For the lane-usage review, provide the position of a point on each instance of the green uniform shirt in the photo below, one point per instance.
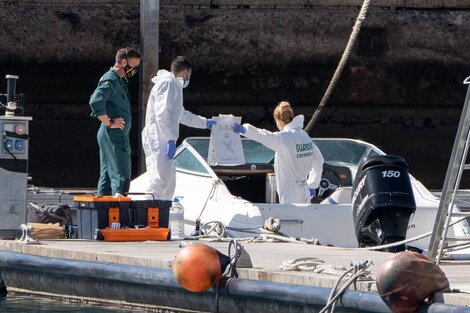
(111, 97)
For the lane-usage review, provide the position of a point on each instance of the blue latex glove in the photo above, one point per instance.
(170, 149)
(313, 193)
(209, 123)
(239, 128)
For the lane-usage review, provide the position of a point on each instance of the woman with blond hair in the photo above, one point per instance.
(298, 163)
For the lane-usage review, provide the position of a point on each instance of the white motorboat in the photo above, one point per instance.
(243, 197)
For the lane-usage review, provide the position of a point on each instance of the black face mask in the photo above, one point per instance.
(130, 71)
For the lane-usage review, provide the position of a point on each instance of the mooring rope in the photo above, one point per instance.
(316, 265)
(312, 264)
(405, 241)
(358, 268)
(344, 58)
(268, 232)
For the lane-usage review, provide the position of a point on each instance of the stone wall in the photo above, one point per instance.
(258, 55)
(401, 89)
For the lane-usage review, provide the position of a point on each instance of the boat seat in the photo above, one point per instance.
(342, 195)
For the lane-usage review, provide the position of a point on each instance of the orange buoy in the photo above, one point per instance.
(197, 267)
(406, 279)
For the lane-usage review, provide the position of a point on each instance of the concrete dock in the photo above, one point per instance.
(266, 258)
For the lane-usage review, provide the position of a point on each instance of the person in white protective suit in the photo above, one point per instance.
(164, 114)
(298, 163)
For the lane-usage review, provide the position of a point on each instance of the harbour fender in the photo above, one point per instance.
(198, 267)
(407, 279)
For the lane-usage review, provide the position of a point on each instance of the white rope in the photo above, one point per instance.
(359, 269)
(416, 238)
(212, 228)
(398, 243)
(272, 224)
(225, 239)
(272, 237)
(218, 231)
(314, 265)
(344, 58)
(301, 264)
(269, 232)
(211, 194)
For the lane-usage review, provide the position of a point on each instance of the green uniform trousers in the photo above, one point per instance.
(115, 160)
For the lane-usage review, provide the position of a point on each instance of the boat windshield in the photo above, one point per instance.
(254, 152)
(334, 150)
(345, 151)
(342, 157)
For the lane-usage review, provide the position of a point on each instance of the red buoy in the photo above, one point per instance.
(198, 267)
(408, 278)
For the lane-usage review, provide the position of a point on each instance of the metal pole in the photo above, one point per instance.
(149, 19)
(452, 179)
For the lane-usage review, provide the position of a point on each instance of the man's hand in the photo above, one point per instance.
(118, 122)
(209, 123)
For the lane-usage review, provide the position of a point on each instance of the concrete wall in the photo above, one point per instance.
(401, 89)
(263, 53)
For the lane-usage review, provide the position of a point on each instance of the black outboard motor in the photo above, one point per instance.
(382, 199)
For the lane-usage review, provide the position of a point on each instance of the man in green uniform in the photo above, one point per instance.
(111, 104)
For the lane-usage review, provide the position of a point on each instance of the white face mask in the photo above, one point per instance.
(184, 83)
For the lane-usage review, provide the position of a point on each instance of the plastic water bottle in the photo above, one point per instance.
(177, 219)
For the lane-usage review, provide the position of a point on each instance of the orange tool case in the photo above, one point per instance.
(136, 234)
(98, 212)
(151, 232)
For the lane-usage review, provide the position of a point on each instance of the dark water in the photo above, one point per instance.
(16, 303)
(28, 304)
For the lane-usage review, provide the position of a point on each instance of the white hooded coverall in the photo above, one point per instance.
(298, 163)
(165, 112)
